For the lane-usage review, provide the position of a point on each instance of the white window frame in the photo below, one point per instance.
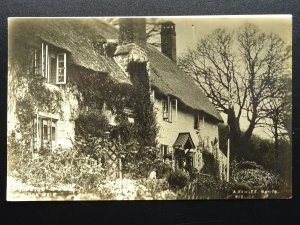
(46, 64)
(64, 68)
(168, 105)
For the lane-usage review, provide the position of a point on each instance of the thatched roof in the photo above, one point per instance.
(79, 36)
(170, 79)
(75, 35)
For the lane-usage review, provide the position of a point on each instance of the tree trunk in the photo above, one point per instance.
(276, 136)
(234, 134)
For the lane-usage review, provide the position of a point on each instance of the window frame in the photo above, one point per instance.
(199, 122)
(169, 106)
(46, 64)
(64, 68)
(43, 131)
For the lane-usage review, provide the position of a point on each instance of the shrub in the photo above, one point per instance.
(206, 187)
(163, 170)
(193, 173)
(139, 161)
(58, 168)
(252, 175)
(248, 165)
(178, 179)
(258, 178)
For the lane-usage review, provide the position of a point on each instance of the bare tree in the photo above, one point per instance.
(153, 31)
(238, 71)
(278, 113)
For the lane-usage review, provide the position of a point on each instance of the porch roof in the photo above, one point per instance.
(184, 140)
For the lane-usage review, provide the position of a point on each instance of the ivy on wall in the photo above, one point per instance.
(34, 96)
(100, 93)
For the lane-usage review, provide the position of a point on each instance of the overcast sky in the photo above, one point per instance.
(205, 25)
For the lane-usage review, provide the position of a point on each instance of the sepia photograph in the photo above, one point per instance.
(149, 108)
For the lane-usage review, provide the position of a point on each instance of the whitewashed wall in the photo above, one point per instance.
(168, 132)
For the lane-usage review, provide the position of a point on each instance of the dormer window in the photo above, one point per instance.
(169, 106)
(51, 63)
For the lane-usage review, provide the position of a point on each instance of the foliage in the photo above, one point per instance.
(91, 122)
(254, 176)
(101, 94)
(206, 187)
(178, 179)
(146, 125)
(209, 163)
(34, 95)
(246, 165)
(264, 153)
(193, 173)
(163, 170)
(139, 161)
(58, 168)
(211, 157)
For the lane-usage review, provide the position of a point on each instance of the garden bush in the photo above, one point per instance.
(254, 176)
(139, 161)
(206, 187)
(178, 179)
(193, 173)
(58, 168)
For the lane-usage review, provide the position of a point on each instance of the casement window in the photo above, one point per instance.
(199, 121)
(169, 109)
(44, 132)
(51, 64)
(36, 62)
(61, 68)
(166, 152)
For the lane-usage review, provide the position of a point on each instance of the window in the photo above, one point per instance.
(199, 121)
(44, 132)
(166, 152)
(36, 62)
(61, 69)
(51, 64)
(169, 109)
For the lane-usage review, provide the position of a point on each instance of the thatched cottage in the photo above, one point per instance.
(59, 50)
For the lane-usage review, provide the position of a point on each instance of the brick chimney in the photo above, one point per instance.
(132, 30)
(168, 40)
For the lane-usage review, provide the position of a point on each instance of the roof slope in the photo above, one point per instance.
(76, 35)
(170, 79)
(79, 36)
